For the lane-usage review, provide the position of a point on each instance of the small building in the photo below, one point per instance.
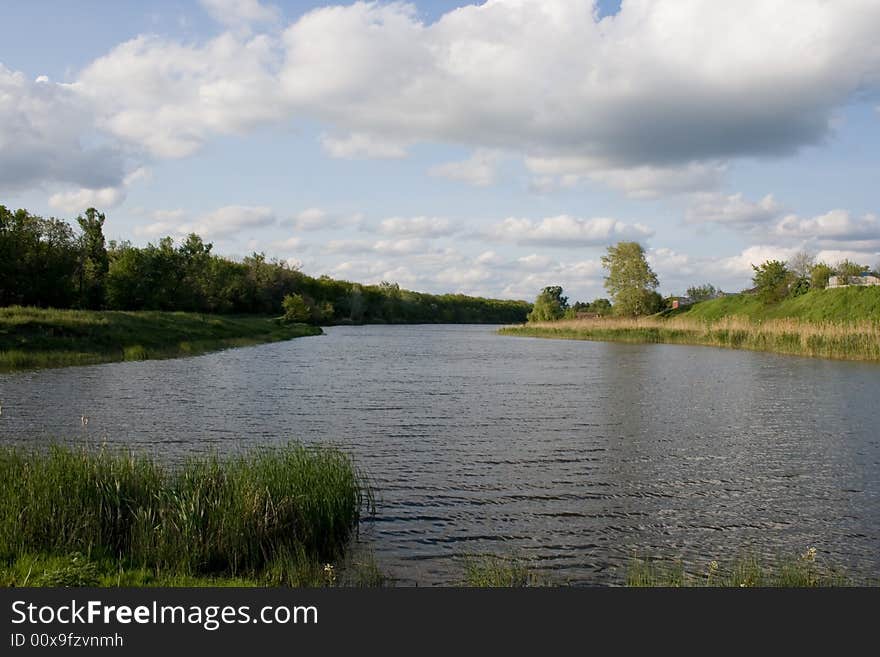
(864, 279)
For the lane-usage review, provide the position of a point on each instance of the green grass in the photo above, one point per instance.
(492, 571)
(848, 304)
(798, 571)
(33, 337)
(803, 571)
(284, 516)
(840, 323)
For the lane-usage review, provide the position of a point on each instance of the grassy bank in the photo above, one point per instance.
(849, 305)
(33, 337)
(76, 517)
(842, 340)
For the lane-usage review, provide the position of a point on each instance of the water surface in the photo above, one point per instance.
(574, 454)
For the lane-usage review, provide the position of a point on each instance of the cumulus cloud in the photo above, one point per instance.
(319, 219)
(566, 231)
(169, 98)
(232, 219)
(640, 100)
(832, 228)
(75, 201)
(417, 226)
(732, 210)
(103, 198)
(218, 224)
(38, 146)
(478, 170)
(641, 182)
(755, 78)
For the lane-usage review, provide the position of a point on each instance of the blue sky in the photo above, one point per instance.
(488, 149)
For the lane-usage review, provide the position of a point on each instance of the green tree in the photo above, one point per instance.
(296, 309)
(38, 260)
(701, 292)
(549, 306)
(772, 280)
(849, 271)
(630, 281)
(819, 275)
(95, 261)
(601, 307)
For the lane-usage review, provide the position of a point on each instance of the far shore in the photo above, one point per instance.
(33, 338)
(837, 340)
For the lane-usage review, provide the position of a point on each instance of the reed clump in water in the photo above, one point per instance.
(276, 515)
(806, 570)
(831, 339)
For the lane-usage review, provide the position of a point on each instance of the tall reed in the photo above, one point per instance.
(240, 515)
(843, 340)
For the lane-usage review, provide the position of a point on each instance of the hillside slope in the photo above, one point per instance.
(849, 304)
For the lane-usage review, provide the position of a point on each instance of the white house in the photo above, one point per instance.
(862, 279)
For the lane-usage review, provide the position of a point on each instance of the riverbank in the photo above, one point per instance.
(33, 338)
(95, 517)
(839, 340)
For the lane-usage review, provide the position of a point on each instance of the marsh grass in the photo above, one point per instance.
(807, 570)
(34, 337)
(842, 340)
(276, 516)
(492, 571)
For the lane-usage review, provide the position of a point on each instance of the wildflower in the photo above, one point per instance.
(809, 555)
(330, 573)
(713, 566)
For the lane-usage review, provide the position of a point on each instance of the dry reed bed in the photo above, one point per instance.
(843, 340)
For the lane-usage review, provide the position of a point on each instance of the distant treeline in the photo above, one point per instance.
(46, 263)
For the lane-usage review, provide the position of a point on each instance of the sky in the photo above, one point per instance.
(489, 149)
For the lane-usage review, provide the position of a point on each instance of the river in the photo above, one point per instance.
(573, 455)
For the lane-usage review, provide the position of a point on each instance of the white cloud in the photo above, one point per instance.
(642, 88)
(834, 256)
(360, 145)
(489, 258)
(732, 210)
(832, 228)
(289, 244)
(478, 170)
(169, 98)
(78, 200)
(318, 219)
(232, 219)
(417, 226)
(47, 136)
(240, 12)
(741, 264)
(534, 261)
(641, 182)
(310, 219)
(221, 223)
(102, 199)
(566, 231)
(401, 246)
(640, 101)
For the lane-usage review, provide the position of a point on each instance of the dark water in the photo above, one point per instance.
(574, 454)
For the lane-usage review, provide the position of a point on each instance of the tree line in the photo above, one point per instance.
(632, 284)
(45, 262)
